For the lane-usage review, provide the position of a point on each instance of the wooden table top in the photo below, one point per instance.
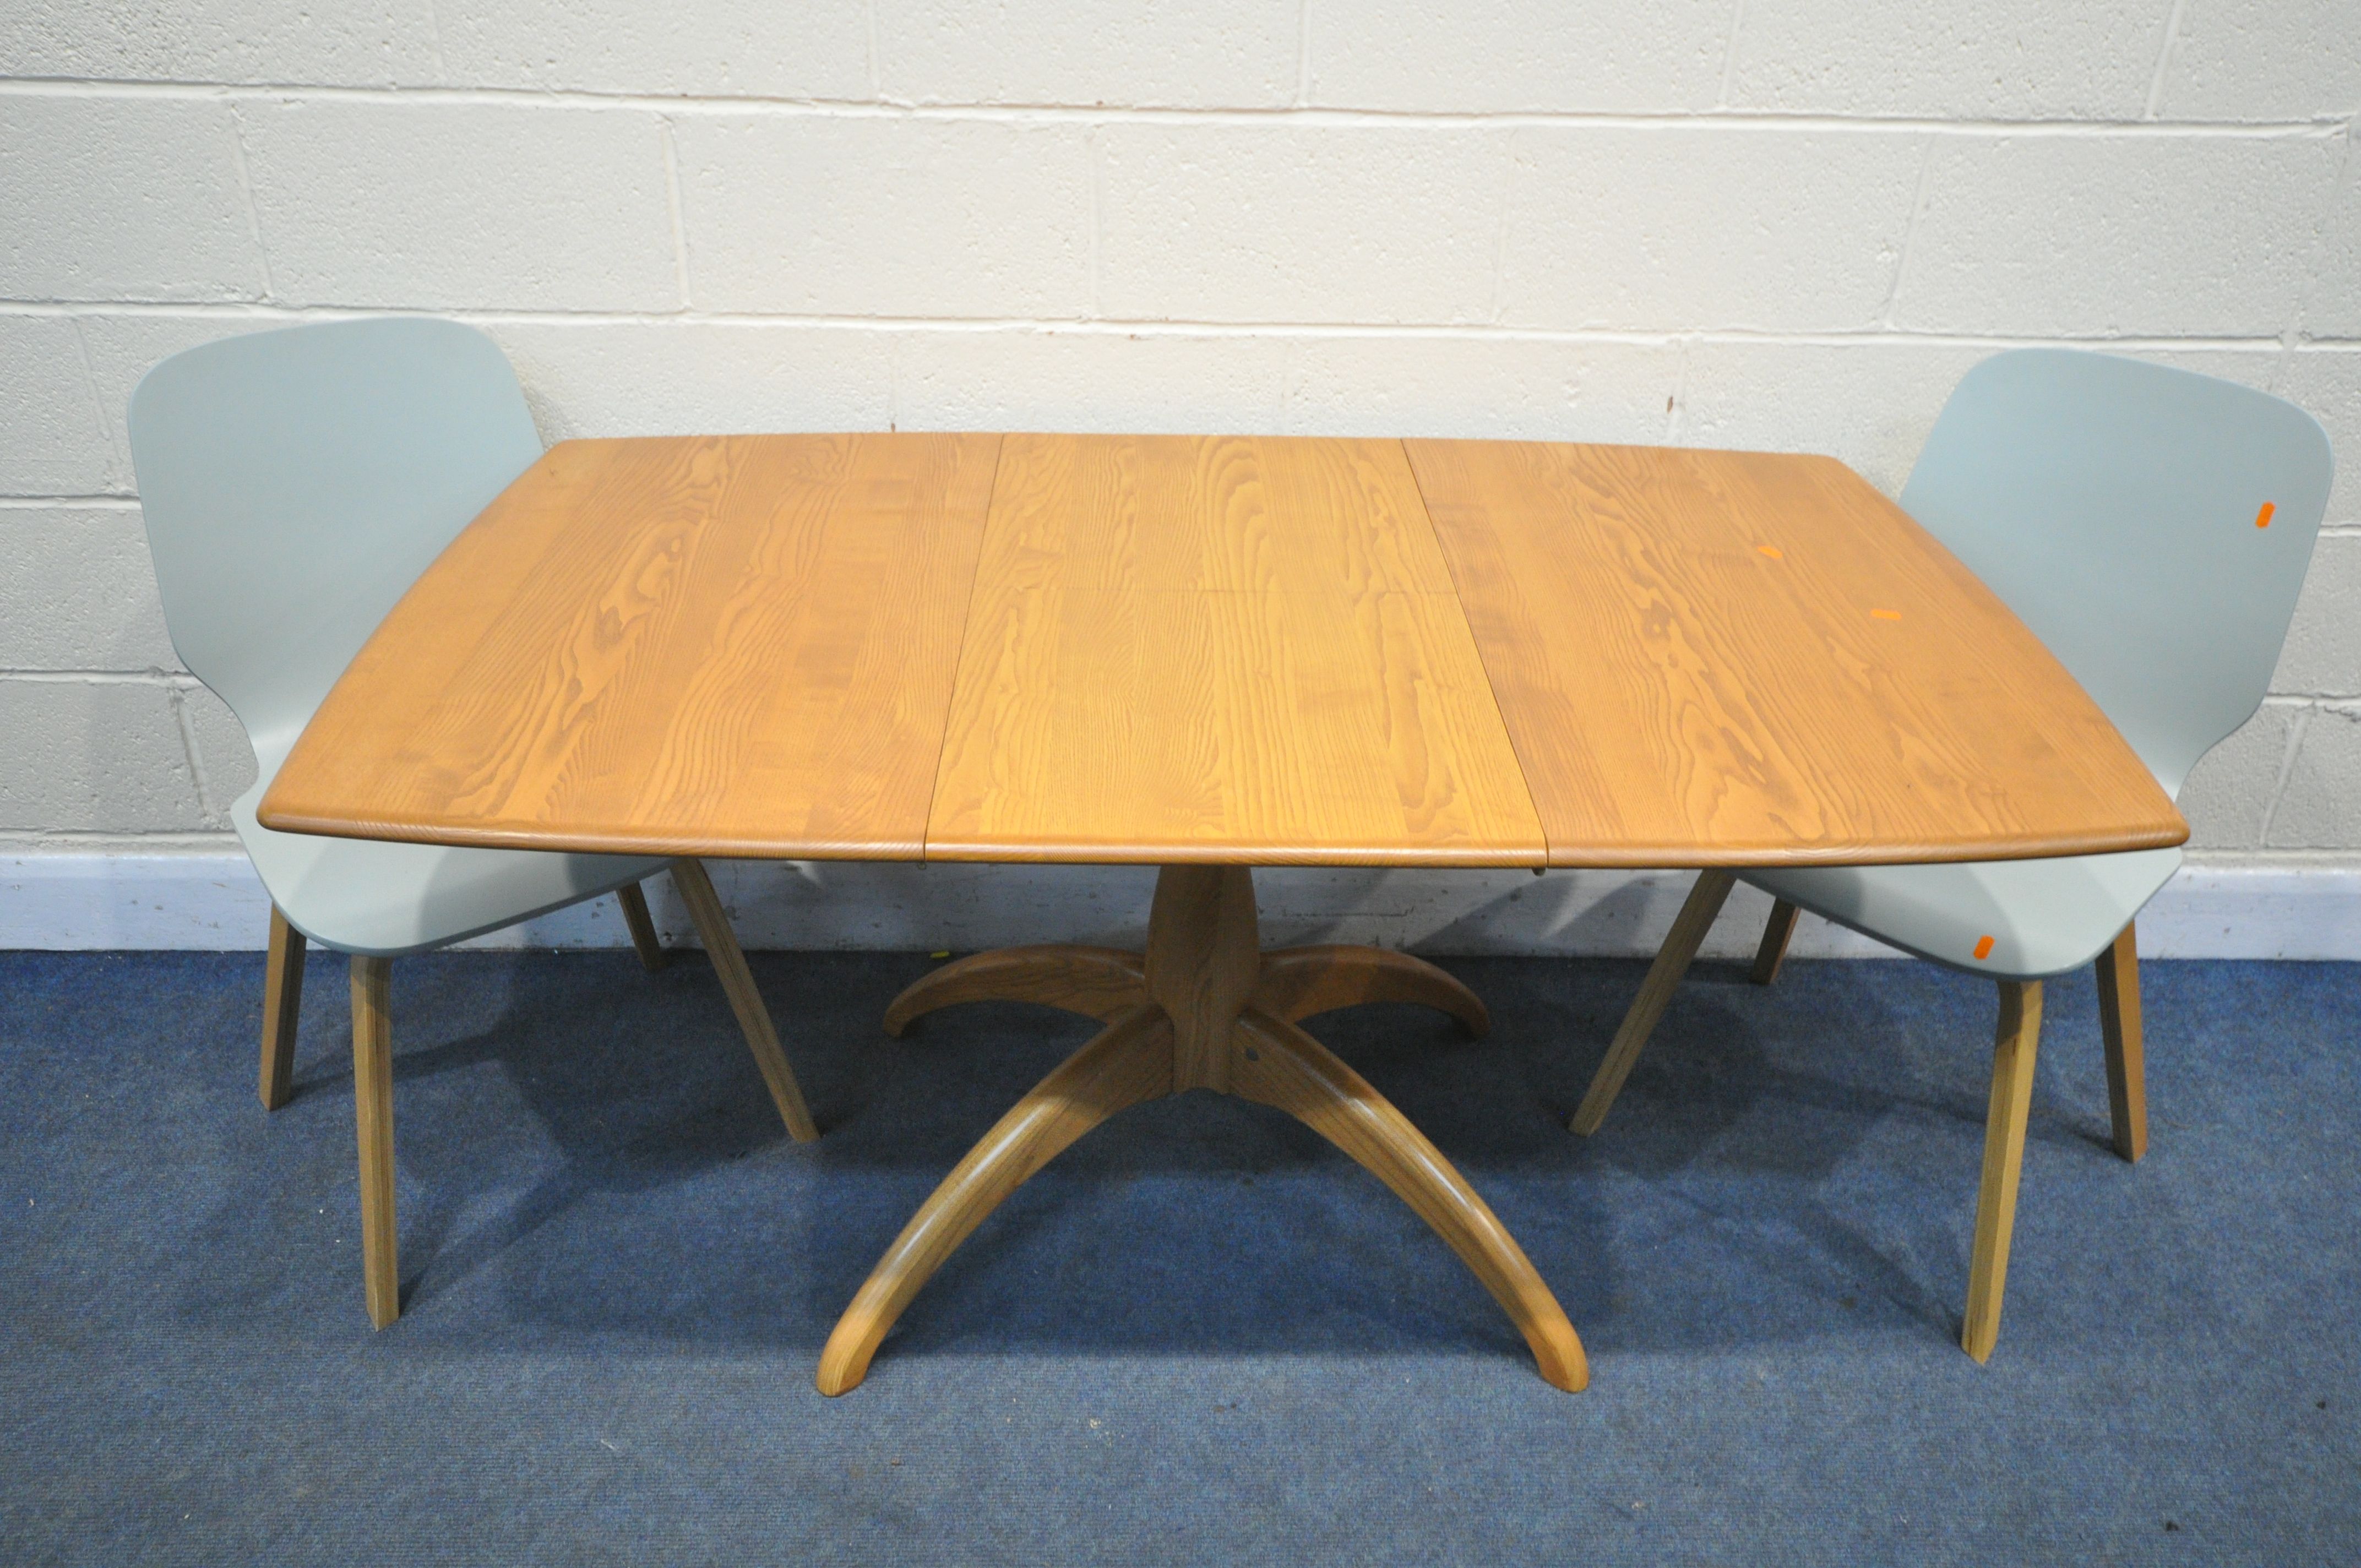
(1220, 649)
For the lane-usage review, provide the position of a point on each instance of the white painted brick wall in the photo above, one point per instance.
(1748, 228)
(871, 216)
(358, 43)
(632, 45)
(2117, 235)
(1515, 56)
(1218, 54)
(91, 755)
(80, 591)
(54, 434)
(1789, 224)
(1284, 222)
(115, 200)
(461, 206)
(2262, 60)
(1997, 58)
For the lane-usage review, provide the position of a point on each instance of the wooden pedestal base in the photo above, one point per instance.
(1204, 1008)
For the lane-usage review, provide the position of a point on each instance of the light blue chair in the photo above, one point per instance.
(295, 483)
(2152, 527)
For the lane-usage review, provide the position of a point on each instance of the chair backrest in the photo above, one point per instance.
(297, 482)
(2114, 506)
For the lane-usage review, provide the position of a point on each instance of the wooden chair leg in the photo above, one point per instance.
(1689, 928)
(1774, 951)
(282, 1002)
(373, 1116)
(652, 956)
(2014, 1043)
(2119, 1022)
(738, 983)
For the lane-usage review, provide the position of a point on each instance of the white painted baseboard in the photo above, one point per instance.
(210, 899)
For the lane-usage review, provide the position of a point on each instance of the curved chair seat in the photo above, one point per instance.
(384, 900)
(2151, 526)
(2043, 918)
(294, 484)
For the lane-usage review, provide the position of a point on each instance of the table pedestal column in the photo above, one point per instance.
(1204, 1008)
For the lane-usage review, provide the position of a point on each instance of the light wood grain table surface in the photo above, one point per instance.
(1209, 653)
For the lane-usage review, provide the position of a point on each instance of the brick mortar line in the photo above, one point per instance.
(18, 840)
(176, 680)
(2166, 49)
(1115, 327)
(210, 810)
(2327, 123)
(1922, 195)
(1730, 53)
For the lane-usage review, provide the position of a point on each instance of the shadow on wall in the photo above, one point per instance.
(812, 906)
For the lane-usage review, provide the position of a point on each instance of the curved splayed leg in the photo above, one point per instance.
(1129, 1061)
(1099, 982)
(1299, 981)
(1279, 1065)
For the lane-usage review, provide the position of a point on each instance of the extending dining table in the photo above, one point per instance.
(1209, 653)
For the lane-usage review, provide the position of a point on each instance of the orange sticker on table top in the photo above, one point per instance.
(1772, 551)
(2263, 518)
(1983, 947)
(1886, 614)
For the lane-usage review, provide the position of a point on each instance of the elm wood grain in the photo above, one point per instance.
(373, 1124)
(1663, 978)
(1205, 955)
(1220, 650)
(1120, 1067)
(745, 1000)
(1776, 933)
(1098, 982)
(1297, 982)
(692, 645)
(1680, 696)
(283, 1005)
(1279, 1065)
(2015, 1038)
(1201, 975)
(2119, 1024)
(1103, 983)
(651, 948)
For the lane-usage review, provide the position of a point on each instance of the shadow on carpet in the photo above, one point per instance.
(1202, 1334)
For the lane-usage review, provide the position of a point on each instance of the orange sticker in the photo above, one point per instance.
(1886, 614)
(1771, 551)
(1983, 947)
(2263, 518)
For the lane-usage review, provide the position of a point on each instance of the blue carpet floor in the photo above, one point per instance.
(1201, 1335)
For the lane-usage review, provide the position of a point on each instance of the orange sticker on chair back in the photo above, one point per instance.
(2263, 518)
(1983, 947)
